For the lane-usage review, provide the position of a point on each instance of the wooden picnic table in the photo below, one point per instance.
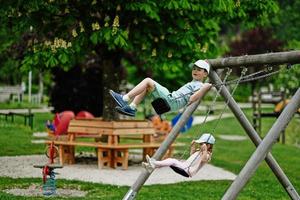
(111, 149)
(112, 129)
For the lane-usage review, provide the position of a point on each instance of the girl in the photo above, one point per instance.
(198, 157)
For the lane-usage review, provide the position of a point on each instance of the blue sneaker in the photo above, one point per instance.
(118, 98)
(126, 110)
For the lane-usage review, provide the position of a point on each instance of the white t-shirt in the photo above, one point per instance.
(183, 94)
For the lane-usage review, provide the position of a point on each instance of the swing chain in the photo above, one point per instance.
(289, 66)
(233, 91)
(260, 77)
(251, 77)
(229, 70)
(268, 69)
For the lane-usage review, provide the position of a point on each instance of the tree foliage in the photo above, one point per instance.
(158, 37)
(288, 22)
(287, 28)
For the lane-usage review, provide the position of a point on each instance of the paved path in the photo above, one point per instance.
(199, 119)
(22, 166)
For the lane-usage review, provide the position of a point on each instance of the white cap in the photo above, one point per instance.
(203, 64)
(207, 138)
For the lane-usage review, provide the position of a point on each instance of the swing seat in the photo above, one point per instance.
(160, 106)
(180, 171)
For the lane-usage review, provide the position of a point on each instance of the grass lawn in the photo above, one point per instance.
(19, 105)
(230, 155)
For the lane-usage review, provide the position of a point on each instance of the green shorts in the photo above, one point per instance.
(162, 92)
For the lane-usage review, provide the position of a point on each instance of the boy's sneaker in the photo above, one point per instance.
(126, 110)
(118, 98)
(150, 161)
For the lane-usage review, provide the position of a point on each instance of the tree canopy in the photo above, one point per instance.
(158, 38)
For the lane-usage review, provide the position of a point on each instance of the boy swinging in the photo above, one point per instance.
(176, 100)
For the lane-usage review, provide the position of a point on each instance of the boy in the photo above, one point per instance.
(185, 95)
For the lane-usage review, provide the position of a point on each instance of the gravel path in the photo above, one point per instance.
(22, 166)
(232, 137)
(199, 119)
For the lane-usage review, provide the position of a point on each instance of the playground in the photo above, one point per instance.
(150, 100)
(62, 163)
(18, 177)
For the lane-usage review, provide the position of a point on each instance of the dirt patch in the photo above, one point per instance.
(36, 190)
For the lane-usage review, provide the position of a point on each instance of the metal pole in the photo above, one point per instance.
(131, 194)
(264, 147)
(240, 116)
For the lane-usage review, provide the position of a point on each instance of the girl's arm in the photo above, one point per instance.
(193, 147)
(204, 153)
(200, 93)
(204, 159)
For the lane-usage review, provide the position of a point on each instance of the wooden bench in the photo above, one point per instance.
(108, 154)
(7, 92)
(111, 151)
(28, 117)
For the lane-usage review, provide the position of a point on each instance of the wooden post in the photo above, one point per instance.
(262, 150)
(288, 57)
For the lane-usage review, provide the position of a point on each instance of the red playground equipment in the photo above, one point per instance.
(49, 183)
(84, 115)
(61, 121)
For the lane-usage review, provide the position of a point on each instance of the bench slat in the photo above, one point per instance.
(90, 130)
(112, 124)
(106, 131)
(112, 146)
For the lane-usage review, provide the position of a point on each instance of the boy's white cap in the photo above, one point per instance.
(207, 138)
(203, 64)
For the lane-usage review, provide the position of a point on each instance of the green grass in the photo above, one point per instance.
(230, 155)
(19, 105)
(15, 138)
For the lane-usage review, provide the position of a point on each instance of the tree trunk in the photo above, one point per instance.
(111, 80)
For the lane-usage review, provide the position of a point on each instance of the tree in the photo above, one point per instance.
(287, 28)
(255, 41)
(159, 37)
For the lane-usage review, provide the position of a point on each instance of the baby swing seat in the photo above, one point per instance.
(160, 106)
(179, 171)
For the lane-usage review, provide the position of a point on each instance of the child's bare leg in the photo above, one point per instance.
(168, 162)
(137, 99)
(141, 88)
